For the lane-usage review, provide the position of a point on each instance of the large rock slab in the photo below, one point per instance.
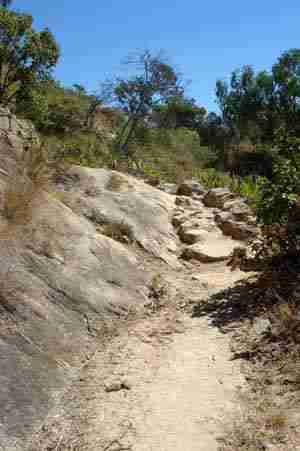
(210, 251)
(120, 198)
(61, 279)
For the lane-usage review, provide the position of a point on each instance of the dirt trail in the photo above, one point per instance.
(190, 393)
(163, 384)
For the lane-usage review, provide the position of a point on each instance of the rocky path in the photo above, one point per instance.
(166, 381)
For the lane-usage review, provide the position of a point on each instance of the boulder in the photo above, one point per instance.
(238, 230)
(190, 187)
(239, 209)
(217, 197)
(145, 210)
(209, 251)
(191, 236)
(183, 201)
(179, 219)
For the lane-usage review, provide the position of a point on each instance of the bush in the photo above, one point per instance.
(82, 148)
(277, 209)
(118, 231)
(27, 56)
(54, 109)
(32, 173)
(168, 154)
(251, 161)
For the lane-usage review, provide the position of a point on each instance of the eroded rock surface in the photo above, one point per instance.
(62, 279)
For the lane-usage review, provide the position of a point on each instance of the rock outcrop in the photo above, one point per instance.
(62, 278)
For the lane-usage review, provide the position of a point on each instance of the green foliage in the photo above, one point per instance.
(153, 84)
(179, 111)
(5, 3)
(26, 56)
(83, 148)
(54, 109)
(248, 187)
(168, 154)
(257, 105)
(279, 195)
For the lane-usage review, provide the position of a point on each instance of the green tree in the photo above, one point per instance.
(55, 109)
(257, 105)
(5, 3)
(153, 84)
(178, 112)
(26, 56)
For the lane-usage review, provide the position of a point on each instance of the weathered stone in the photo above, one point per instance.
(239, 210)
(184, 201)
(217, 197)
(191, 223)
(261, 326)
(190, 187)
(170, 188)
(191, 236)
(179, 219)
(117, 385)
(209, 251)
(238, 230)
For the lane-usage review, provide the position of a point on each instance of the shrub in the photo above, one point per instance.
(27, 56)
(117, 183)
(82, 148)
(119, 231)
(277, 209)
(32, 173)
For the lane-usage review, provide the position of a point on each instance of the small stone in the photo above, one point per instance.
(190, 187)
(191, 236)
(183, 200)
(217, 197)
(261, 326)
(170, 188)
(112, 386)
(178, 219)
(126, 384)
(196, 277)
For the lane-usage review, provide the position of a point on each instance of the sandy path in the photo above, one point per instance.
(181, 379)
(192, 390)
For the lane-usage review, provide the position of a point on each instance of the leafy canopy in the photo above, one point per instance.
(154, 83)
(26, 56)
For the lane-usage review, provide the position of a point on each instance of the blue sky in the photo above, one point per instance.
(206, 40)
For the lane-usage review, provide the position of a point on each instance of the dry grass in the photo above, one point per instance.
(32, 173)
(118, 231)
(158, 291)
(117, 183)
(260, 424)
